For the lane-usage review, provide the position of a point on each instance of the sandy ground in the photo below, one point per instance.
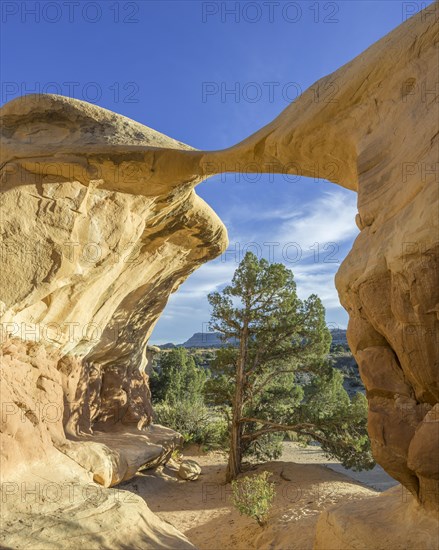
(306, 484)
(376, 478)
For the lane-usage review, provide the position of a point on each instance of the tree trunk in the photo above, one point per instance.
(235, 454)
(235, 457)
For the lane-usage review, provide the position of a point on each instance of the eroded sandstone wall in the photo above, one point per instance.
(100, 224)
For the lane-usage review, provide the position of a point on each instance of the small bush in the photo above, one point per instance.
(177, 455)
(253, 496)
(216, 434)
(196, 422)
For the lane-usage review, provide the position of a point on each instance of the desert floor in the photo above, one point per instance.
(306, 483)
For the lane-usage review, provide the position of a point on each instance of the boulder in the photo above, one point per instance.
(189, 470)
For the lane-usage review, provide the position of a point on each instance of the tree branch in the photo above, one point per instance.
(303, 429)
(274, 427)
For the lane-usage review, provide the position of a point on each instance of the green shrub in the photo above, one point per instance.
(196, 422)
(216, 434)
(253, 496)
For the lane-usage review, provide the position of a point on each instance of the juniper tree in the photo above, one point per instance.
(270, 378)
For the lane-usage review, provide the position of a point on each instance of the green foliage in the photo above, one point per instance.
(253, 496)
(262, 299)
(339, 348)
(281, 396)
(216, 434)
(220, 386)
(176, 455)
(266, 447)
(196, 422)
(176, 377)
(177, 386)
(187, 417)
(339, 423)
(278, 378)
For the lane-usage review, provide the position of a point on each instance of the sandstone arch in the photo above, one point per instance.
(74, 175)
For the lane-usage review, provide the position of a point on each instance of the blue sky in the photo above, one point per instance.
(210, 74)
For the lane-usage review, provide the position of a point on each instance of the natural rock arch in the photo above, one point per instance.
(75, 176)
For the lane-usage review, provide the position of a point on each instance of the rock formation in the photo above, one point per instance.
(100, 223)
(392, 521)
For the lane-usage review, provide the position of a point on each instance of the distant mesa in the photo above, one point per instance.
(202, 340)
(213, 340)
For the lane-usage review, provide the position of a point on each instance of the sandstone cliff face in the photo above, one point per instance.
(100, 223)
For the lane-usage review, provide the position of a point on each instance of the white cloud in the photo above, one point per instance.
(206, 279)
(328, 219)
